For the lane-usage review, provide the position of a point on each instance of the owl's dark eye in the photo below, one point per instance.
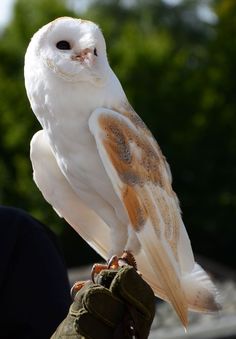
(95, 52)
(63, 44)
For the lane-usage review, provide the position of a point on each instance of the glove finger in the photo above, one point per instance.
(100, 302)
(130, 286)
(78, 299)
(92, 328)
(139, 298)
(105, 277)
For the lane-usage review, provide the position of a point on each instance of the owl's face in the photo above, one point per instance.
(73, 49)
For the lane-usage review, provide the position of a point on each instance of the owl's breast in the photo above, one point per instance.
(64, 111)
(77, 156)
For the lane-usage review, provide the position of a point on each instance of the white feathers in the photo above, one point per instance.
(201, 294)
(101, 169)
(57, 191)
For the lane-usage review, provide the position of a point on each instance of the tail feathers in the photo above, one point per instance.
(201, 294)
(166, 272)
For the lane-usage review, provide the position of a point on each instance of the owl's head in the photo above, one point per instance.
(73, 49)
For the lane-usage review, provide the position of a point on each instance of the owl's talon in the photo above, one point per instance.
(77, 287)
(128, 258)
(96, 269)
(113, 263)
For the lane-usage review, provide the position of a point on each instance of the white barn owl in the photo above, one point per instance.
(99, 166)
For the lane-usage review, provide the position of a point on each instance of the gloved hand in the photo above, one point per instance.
(120, 305)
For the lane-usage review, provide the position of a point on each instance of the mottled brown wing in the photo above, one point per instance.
(141, 178)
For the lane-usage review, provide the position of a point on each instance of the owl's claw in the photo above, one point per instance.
(77, 287)
(96, 269)
(127, 258)
(114, 263)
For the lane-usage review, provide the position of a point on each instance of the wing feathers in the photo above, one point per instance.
(160, 263)
(132, 183)
(141, 178)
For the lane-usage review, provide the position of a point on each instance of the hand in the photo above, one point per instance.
(119, 305)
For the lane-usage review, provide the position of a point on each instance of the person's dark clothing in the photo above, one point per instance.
(34, 288)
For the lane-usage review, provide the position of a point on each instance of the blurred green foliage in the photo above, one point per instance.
(179, 74)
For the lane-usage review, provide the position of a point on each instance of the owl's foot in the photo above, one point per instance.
(127, 258)
(114, 263)
(77, 287)
(96, 269)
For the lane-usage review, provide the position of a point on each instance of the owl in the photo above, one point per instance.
(99, 166)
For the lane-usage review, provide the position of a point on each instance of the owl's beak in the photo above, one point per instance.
(85, 54)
